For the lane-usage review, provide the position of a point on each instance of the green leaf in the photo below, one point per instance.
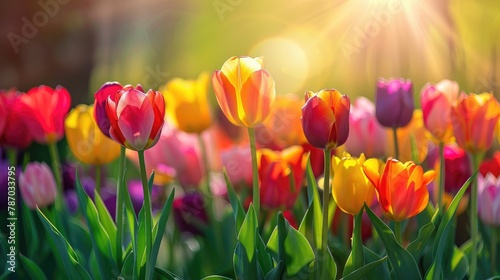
(276, 273)
(106, 221)
(128, 267)
(297, 254)
(356, 259)
(378, 272)
(32, 269)
(216, 277)
(263, 258)
(30, 232)
(140, 244)
(402, 261)
(160, 229)
(441, 239)
(98, 234)
(312, 222)
(238, 211)
(65, 253)
(244, 259)
(167, 274)
(424, 234)
(364, 270)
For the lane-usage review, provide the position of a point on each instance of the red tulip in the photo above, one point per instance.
(325, 118)
(281, 176)
(44, 109)
(135, 117)
(15, 133)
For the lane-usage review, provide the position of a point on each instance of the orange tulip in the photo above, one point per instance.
(401, 187)
(474, 119)
(244, 90)
(282, 128)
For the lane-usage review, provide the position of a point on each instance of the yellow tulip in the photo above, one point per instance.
(351, 189)
(187, 105)
(85, 140)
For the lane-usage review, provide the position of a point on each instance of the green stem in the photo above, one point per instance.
(147, 210)
(476, 160)
(119, 207)
(398, 233)
(494, 237)
(12, 156)
(326, 202)
(396, 146)
(56, 168)
(357, 243)
(204, 156)
(98, 171)
(442, 178)
(255, 174)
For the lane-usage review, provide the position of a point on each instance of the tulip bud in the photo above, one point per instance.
(37, 185)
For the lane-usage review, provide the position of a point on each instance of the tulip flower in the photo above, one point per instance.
(394, 102)
(244, 91)
(3, 115)
(109, 89)
(365, 133)
(15, 133)
(44, 109)
(325, 118)
(401, 187)
(187, 106)
(176, 155)
(135, 117)
(489, 199)
(437, 101)
(85, 140)
(238, 166)
(474, 119)
(413, 140)
(491, 166)
(282, 128)
(189, 213)
(351, 189)
(37, 185)
(281, 176)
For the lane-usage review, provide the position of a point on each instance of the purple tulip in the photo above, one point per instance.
(189, 212)
(394, 102)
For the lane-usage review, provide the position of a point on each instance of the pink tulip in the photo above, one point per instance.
(175, 154)
(366, 133)
(236, 160)
(37, 185)
(44, 109)
(489, 199)
(436, 106)
(135, 117)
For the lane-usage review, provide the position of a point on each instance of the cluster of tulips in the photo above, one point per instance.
(197, 162)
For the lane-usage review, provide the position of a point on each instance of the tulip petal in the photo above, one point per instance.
(257, 94)
(317, 121)
(226, 97)
(135, 123)
(239, 69)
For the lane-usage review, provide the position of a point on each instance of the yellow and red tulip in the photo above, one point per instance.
(244, 91)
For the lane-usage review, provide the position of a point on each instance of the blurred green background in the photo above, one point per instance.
(307, 45)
